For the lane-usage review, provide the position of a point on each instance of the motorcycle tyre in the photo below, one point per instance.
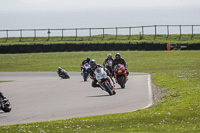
(85, 76)
(7, 108)
(67, 77)
(114, 92)
(108, 89)
(121, 81)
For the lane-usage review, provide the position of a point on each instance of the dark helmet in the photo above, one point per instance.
(118, 56)
(109, 56)
(93, 63)
(88, 59)
(59, 69)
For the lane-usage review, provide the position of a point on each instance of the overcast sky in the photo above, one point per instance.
(27, 6)
(96, 13)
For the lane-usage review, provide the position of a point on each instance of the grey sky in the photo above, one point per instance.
(17, 6)
(96, 13)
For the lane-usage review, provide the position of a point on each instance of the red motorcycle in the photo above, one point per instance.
(120, 75)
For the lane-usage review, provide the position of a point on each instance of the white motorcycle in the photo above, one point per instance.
(104, 81)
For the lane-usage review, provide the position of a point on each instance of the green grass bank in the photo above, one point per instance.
(160, 38)
(177, 73)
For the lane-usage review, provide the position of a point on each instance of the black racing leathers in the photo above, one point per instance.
(119, 61)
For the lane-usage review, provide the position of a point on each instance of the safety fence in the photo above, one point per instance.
(91, 32)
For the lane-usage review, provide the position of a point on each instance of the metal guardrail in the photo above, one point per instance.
(89, 30)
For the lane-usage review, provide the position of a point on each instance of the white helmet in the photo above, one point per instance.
(109, 55)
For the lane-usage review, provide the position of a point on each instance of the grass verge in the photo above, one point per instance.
(174, 39)
(177, 72)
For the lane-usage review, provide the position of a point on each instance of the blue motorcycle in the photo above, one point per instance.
(62, 73)
(85, 71)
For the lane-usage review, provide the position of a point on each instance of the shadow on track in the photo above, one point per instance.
(1, 112)
(85, 81)
(120, 88)
(99, 96)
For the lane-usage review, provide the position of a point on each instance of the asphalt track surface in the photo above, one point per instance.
(43, 96)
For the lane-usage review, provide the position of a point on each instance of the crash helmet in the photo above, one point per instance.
(118, 56)
(93, 63)
(88, 59)
(59, 69)
(109, 56)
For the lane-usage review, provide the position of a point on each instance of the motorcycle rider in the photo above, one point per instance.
(119, 60)
(109, 57)
(3, 97)
(93, 67)
(87, 60)
(61, 72)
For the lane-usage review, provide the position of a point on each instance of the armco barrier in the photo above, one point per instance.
(35, 48)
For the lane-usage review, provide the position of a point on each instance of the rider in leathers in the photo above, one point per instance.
(87, 60)
(119, 60)
(93, 67)
(61, 73)
(107, 59)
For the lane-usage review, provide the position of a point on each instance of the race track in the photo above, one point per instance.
(43, 96)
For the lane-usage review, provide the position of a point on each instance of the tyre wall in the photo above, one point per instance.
(36, 48)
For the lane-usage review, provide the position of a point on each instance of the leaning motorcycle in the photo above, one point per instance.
(120, 75)
(85, 71)
(5, 105)
(104, 81)
(62, 73)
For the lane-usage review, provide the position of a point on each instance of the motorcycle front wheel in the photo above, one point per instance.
(107, 88)
(121, 81)
(85, 76)
(6, 107)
